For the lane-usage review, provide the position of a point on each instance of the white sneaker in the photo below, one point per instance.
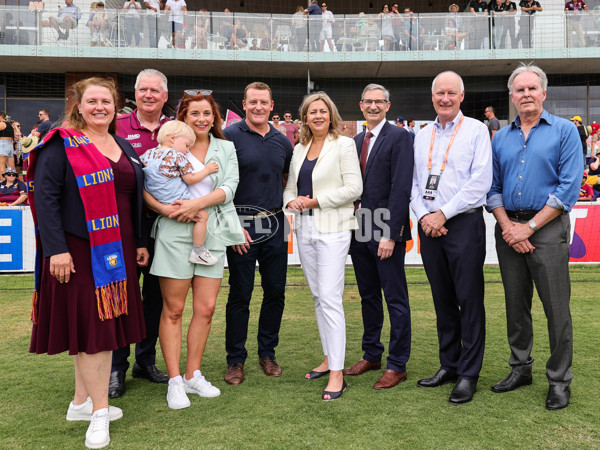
(205, 258)
(97, 435)
(84, 411)
(176, 397)
(199, 385)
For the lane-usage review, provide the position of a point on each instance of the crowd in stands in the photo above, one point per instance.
(480, 25)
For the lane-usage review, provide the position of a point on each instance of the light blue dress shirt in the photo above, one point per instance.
(468, 173)
(543, 170)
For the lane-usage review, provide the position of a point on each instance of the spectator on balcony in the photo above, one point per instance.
(133, 24)
(507, 23)
(496, 8)
(479, 25)
(413, 31)
(387, 28)
(202, 29)
(455, 36)
(153, 8)
(574, 10)
(326, 28)
(397, 26)
(178, 9)
(314, 24)
(68, 18)
(97, 24)
(254, 45)
(239, 37)
(528, 10)
(299, 23)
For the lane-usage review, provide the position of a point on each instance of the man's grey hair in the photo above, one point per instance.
(152, 73)
(375, 87)
(528, 67)
(462, 84)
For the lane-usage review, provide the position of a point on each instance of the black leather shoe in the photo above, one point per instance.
(463, 392)
(558, 397)
(116, 385)
(511, 382)
(313, 374)
(151, 373)
(441, 377)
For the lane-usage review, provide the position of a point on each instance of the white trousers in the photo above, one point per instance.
(323, 258)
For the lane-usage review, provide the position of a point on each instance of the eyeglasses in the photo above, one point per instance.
(193, 92)
(323, 6)
(276, 118)
(287, 115)
(10, 175)
(378, 102)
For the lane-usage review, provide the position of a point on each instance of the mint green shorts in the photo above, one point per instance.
(172, 250)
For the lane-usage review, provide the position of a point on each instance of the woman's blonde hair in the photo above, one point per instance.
(334, 116)
(75, 119)
(175, 128)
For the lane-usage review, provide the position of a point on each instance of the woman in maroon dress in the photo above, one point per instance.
(75, 310)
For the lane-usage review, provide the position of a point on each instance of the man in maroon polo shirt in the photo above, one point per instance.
(140, 128)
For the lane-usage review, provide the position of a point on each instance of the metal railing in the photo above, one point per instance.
(299, 33)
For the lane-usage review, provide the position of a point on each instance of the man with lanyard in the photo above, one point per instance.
(452, 175)
(528, 10)
(378, 247)
(264, 156)
(140, 128)
(537, 175)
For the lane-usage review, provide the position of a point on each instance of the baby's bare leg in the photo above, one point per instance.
(199, 231)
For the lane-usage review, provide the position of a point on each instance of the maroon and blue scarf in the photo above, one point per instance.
(96, 187)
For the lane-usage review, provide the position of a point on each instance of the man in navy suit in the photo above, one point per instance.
(379, 245)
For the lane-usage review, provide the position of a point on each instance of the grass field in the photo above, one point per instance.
(287, 412)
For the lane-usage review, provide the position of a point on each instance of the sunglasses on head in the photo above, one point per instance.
(193, 92)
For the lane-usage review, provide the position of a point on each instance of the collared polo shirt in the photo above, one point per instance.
(262, 161)
(140, 137)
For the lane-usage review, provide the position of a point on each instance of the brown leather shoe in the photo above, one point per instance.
(361, 367)
(389, 379)
(270, 366)
(234, 374)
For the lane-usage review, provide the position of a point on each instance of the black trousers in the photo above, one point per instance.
(454, 267)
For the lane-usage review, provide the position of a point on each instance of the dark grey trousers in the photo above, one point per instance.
(548, 269)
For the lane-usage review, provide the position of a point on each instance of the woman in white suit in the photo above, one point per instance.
(324, 181)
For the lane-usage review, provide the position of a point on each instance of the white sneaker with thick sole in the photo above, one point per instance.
(84, 411)
(205, 258)
(199, 385)
(176, 396)
(97, 434)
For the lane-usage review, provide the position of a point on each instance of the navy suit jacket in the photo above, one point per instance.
(387, 181)
(58, 205)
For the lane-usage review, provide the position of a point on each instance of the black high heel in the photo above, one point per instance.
(313, 375)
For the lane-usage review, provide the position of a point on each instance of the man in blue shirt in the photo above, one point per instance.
(537, 174)
(452, 175)
(68, 17)
(264, 156)
(314, 24)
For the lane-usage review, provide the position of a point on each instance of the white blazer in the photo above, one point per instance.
(336, 183)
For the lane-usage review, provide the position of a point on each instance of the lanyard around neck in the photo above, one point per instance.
(429, 163)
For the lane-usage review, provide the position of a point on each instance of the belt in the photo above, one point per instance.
(522, 215)
(263, 214)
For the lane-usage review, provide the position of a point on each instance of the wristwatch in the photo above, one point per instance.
(532, 225)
